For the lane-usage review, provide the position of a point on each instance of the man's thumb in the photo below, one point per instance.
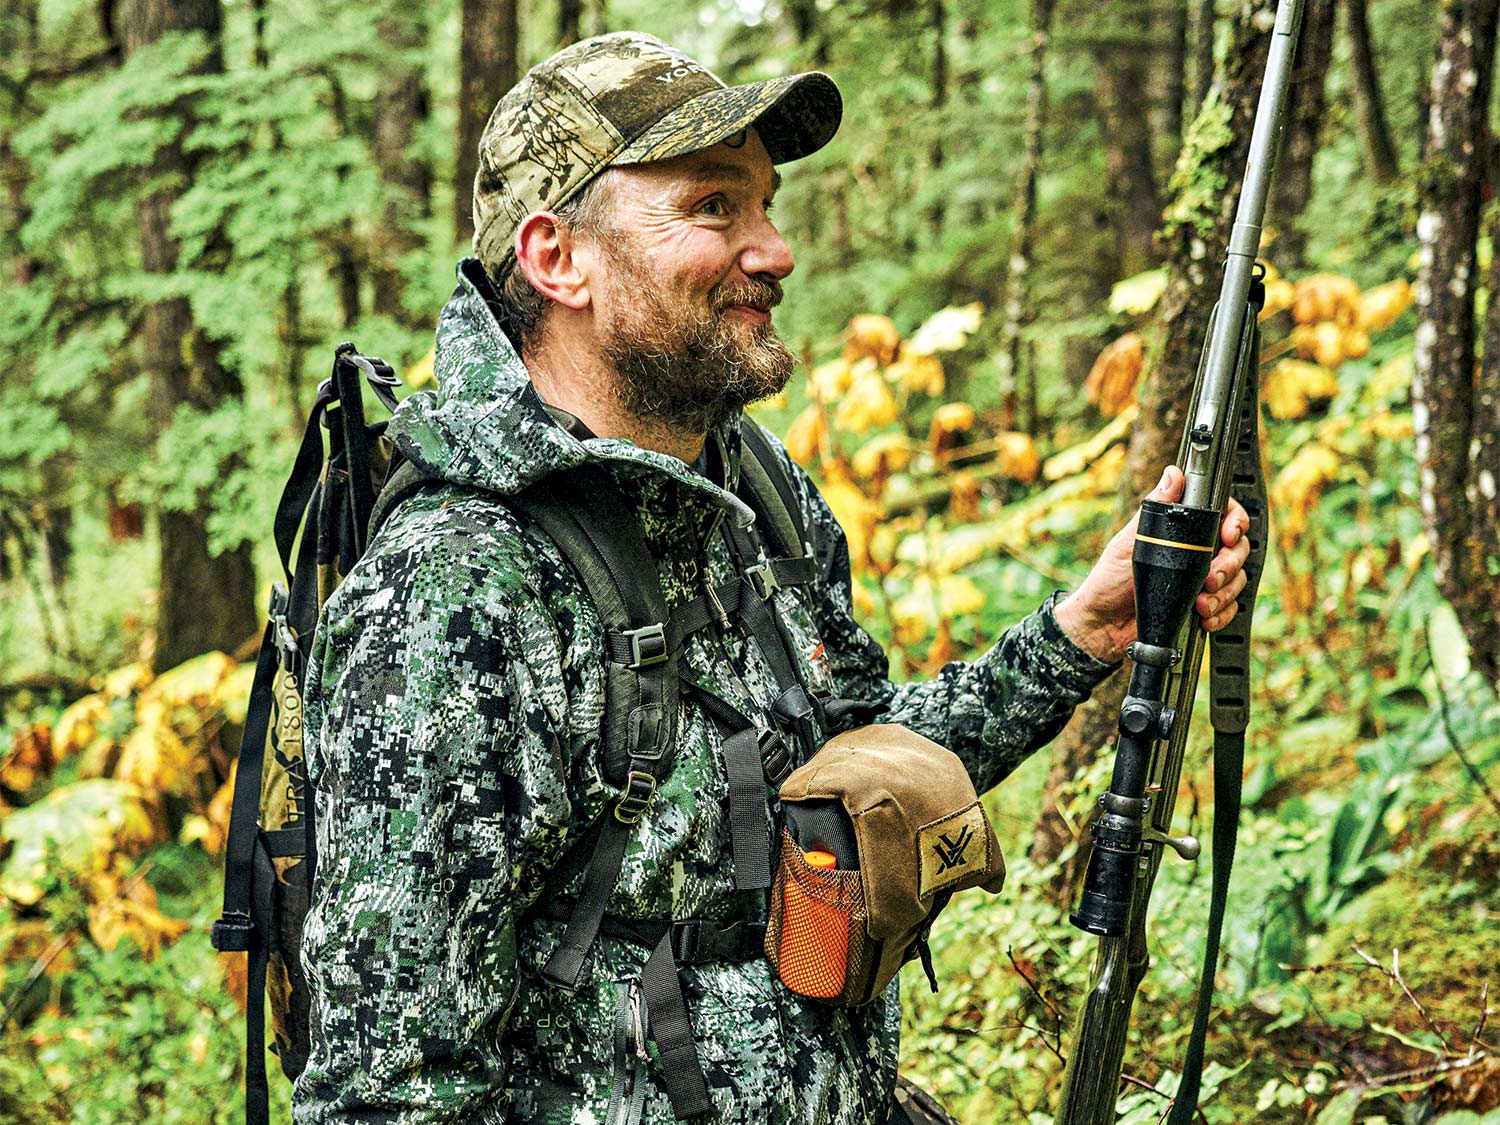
(1169, 489)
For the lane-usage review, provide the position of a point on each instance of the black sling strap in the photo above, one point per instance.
(1229, 708)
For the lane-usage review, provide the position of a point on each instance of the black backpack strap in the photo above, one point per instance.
(771, 494)
(598, 534)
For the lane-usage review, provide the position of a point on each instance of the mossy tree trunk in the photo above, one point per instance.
(487, 67)
(1455, 411)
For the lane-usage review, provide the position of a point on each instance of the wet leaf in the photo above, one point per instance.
(856, 513)
(30, 759)
(866, 405)
(1112, 382)
(1379, 308)
(1138, 295)
(158, 761)
(830, 380)
(1291, 385)
(127, 908)
(946, 330)
(808, 437)
(127, 680)
(1018, 457)
(887, 453)
(871, 336)
(917, 373)
(79, 725)
(86, 828)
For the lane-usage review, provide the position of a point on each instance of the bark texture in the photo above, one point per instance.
(1451, 408)
(1381, 161)
(204, 602)
(1121, 95)
(401, 104)
(1017, 299)
(1194, 243)
(486, 69)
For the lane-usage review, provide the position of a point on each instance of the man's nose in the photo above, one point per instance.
(767, 254)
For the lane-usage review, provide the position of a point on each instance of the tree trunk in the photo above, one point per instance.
(1173, 77)
(1017, 299)
(1203, 55)
(400, 107)
(204, 601)
(1299, 145)
(1194, 241)
(1381, 161)
(1457, 481)
(486, 69)
(569, 21)
(939, 16)
(1120, 93)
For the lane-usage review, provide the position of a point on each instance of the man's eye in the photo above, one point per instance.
(715, 206)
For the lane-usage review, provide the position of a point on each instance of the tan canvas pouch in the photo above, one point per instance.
(921, 834)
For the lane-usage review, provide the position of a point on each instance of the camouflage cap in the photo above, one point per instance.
(624, 98)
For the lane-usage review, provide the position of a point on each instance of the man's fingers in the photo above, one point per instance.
(1236, 524)
(1224, 595)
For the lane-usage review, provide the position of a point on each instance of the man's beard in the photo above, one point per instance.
(685, 366)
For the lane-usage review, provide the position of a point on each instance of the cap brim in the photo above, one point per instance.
(794, 116)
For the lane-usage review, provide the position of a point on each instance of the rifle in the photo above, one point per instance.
(1174, 546)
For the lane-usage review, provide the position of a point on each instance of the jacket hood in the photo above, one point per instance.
(486, 426)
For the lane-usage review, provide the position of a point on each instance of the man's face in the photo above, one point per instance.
(689, 268)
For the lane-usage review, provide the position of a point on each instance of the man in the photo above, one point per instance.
(618, 317)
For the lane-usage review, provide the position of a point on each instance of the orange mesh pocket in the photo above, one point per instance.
(815, 936)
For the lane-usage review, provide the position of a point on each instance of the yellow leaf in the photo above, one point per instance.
(1392, 379)
(830, 380)
(1139, 294)
(1077, 458)
(1379, 308)
(127, 680)
(947, 330)
(867, 404)
(1297, 488)
(887, 453)
(1388, 426)
(807, 437)
(1292, 384)
(1018, 456)
(193, 685)
(917, 373)
(1112, 382)
(1280, 294)
(116, 912)
(963, 498)
(854, 512)
(155, 759)
(871, 336)
(30, 759)
(922, 608)
(1326, 297)
(83, 827)
(79, 725)
(1323, 342)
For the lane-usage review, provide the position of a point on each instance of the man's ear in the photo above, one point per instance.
(544, 255)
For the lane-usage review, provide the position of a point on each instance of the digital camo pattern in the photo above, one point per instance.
(453, 710)
(624, 98)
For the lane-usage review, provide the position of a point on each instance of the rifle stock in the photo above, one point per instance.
(1175, 543)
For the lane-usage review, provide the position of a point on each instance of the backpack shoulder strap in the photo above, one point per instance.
(765, 486)
(598, 535)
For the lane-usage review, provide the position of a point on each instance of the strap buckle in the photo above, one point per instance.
(762, 580)
(648, 645)
(233, 933)
(775, 759)
(640, 787)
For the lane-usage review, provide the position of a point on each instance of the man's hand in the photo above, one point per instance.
(1100, 615)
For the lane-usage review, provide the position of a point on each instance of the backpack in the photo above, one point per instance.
(338, 498)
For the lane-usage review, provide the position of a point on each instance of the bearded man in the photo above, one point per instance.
(615, 322)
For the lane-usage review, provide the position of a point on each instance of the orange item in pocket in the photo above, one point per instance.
(813, 958)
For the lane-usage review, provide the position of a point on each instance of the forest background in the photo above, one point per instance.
(1005, 263)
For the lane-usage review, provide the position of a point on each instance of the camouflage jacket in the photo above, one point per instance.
(453, 709)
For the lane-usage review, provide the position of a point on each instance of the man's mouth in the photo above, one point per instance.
(751, 312)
